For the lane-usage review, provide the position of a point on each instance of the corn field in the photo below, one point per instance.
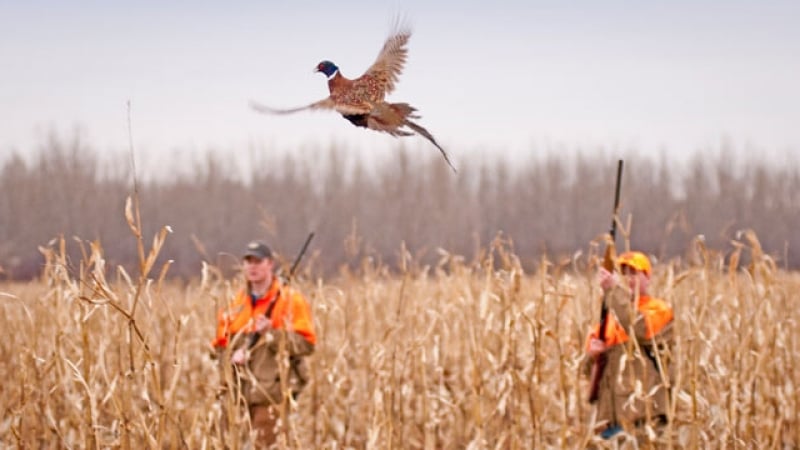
(458, 354)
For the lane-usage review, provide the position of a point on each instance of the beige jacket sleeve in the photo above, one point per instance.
(620, 301)
(296, 344)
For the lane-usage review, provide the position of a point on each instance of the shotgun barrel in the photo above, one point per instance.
(608, 263)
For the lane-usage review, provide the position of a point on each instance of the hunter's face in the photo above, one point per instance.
(257, 270)
(637, 280)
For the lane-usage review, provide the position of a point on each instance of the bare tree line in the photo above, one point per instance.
(553, 204)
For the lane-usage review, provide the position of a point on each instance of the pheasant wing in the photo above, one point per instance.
(327, 103)
(385, 71)
(264, 109)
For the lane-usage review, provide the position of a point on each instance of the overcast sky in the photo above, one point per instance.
(512, 77)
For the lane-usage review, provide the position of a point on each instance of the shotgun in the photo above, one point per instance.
(254, 337)
(608, 263)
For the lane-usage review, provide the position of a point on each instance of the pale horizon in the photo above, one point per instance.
(512, 78)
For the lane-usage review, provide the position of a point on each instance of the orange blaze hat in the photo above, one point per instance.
(637, 260)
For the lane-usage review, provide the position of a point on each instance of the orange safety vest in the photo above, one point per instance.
(240, 315)
(657, 314)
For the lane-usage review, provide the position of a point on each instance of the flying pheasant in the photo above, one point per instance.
(362, 100)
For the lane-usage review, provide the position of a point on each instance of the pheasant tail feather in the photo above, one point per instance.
(424, 133)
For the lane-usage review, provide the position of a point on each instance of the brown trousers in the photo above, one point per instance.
(263, 419)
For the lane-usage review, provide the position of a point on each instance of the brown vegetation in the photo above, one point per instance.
(551, 205)
(458, 354)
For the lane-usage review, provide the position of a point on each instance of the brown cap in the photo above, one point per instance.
(258, 249)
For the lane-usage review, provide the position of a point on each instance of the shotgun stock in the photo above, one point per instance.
(254, 337)
(608, 263)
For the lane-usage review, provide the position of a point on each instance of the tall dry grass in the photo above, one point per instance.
(459, 354)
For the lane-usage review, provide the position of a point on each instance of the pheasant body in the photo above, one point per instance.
(362, 100)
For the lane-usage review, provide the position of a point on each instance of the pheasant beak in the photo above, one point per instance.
(316, 69)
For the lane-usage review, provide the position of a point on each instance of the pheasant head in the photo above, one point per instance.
(327, 67)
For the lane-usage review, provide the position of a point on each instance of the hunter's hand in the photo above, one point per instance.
(262, 323)
(596, 347)
(239, 357)
(607, 279)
